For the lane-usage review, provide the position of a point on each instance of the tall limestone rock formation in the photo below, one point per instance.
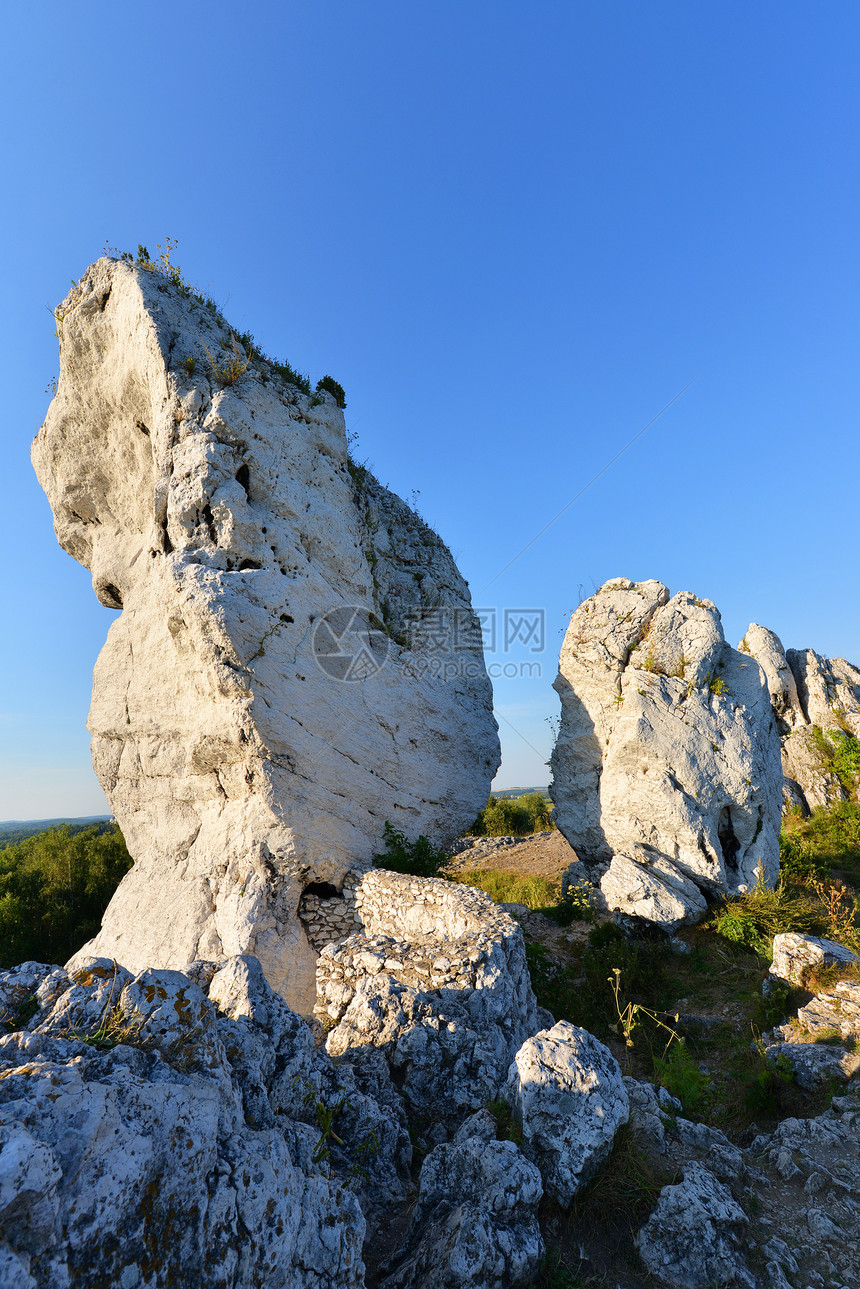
(666, 772)
(816, 702)
(296, 660)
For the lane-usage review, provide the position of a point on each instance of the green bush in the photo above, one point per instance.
(756, 917)
(588, 999)
(418, 858)
(333, 386)
(840, 754)
(799, 864)
(514, 816)
(832, 835)
(54, 888)
(680, 1075)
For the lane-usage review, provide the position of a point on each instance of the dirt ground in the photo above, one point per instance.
(545, 854)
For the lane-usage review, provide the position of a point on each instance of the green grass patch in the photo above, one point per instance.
(512, 888)
(543, 894)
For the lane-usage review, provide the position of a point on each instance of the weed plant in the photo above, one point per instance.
(757, 916)
(678, 1072)
(417, 858)
(115, 1027)
(583, 992)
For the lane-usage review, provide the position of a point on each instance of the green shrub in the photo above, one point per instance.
(840, 754)
(799, 864)
(418, 858)
(332, 386)
(289, 374)
(54, 888)
(846, 758)
(680, 1075)
(576, 905)
(514, 816)
(757, 916)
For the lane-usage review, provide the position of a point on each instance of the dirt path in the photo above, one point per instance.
(543, 854)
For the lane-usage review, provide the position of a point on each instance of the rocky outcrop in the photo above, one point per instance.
(153, 1135)
(474, 1225)
(296, 660)
(820, 1044)
(666, 771)
(782, 1211)
(436, 979)
(811, 696)
(566, 1093)
(692, 1239)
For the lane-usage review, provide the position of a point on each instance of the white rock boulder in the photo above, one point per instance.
(296, 660)
(792, 952)
(474, 1224)
(566, 1091)
(666, 773)
(694, 1237)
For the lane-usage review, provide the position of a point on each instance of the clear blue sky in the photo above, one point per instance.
(513, 232)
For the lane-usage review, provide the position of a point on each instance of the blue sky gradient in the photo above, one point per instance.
(513, 233)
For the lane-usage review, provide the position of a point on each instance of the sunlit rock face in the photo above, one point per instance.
(811, 696)
(295, 662)
(667, 777)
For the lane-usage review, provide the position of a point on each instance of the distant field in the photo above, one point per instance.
(504, 792)
(15, 830)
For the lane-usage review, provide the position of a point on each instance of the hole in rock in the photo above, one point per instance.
(209, 520)
(243, 476)
(323, 891)
(728, 841)
(109, 595)
(249, 563)
(144, 429)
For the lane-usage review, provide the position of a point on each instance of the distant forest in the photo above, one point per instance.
(15, 830)
(54, 887)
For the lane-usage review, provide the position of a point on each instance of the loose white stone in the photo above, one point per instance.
(567, 1092)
